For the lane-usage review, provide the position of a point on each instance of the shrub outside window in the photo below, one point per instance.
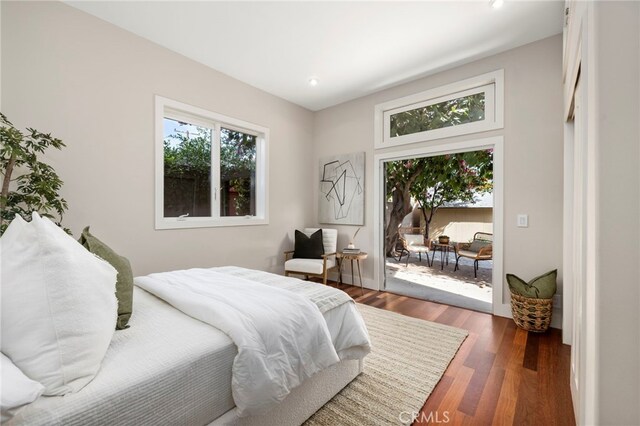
(210, 169)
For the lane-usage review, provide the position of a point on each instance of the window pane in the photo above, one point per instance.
(453, 112)
(187, 169)
(237, 173)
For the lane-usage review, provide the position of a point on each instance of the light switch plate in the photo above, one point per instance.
(523, 221)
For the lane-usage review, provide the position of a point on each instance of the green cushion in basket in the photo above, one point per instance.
(124, 281)
(542, 287)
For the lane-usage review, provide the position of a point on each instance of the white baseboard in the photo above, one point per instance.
(556, 315)
(276, 269)
(367, 283)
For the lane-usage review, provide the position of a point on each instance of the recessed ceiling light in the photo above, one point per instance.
(313, 81)
(496, 4)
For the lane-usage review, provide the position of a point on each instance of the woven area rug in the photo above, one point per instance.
(408, 358)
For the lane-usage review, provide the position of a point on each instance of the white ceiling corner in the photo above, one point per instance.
(354, 48)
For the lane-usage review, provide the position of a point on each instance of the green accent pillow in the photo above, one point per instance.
(542, 287)
(124, 283)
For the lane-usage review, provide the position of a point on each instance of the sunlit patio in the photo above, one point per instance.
(440, 283)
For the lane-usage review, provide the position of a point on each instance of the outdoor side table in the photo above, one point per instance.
(444, 250)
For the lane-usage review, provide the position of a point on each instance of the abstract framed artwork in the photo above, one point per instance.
(341, 196)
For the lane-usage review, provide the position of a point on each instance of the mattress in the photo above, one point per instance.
(167, 368)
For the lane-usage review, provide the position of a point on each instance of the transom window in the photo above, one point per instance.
(210, 169)
(432, 116)
(469, 106)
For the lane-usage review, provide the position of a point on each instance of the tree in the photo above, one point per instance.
(401, 175)
(187, 156)
(453, 112)
(187, 169)
(452, 178)
(238, 166)
(37, 185)
(432, 182)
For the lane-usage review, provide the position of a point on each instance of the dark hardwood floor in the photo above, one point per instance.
(501, 375)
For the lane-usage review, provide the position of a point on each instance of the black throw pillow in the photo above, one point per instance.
(308, 247)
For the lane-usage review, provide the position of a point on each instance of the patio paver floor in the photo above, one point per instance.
(458, 288)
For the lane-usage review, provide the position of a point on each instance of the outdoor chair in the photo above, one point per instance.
(481, 248)
(413, 243)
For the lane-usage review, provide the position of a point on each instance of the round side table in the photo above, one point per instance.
(341, 256)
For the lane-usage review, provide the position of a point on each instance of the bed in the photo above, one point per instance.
(169, 368)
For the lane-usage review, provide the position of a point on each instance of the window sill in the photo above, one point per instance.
(207, 222)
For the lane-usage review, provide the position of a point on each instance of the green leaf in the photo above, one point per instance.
(38, 187)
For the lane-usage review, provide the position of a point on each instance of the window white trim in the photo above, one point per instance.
(165, 107)
(492, 84)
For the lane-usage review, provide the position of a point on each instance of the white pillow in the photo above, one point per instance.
(59, 306)
(16, 389)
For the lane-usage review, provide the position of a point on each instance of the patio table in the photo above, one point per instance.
(444, 250)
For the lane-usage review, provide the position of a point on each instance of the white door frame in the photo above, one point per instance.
(497, 144)
(580, 314)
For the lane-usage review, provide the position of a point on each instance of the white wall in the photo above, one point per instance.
(533, 141)
(617, 83)
(92, 85)
(603, 42)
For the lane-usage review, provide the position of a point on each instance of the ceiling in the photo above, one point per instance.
(352, 48)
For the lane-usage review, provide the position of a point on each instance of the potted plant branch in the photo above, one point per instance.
(28, 184)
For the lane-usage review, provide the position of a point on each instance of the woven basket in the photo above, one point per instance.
(531, 314)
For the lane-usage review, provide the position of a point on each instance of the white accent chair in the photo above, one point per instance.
(314, 267)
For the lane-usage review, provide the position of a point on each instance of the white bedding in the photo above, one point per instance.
(166, 369)
(346, 326)
(281, 336)
(171, 369)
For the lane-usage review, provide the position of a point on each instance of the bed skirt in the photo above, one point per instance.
(303, 401)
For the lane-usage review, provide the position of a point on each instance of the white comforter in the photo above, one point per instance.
(282, 337)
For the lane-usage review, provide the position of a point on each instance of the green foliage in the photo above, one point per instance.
(450, 178)
(190, 158)
(237, 154)
(238, 166)
(433, 181)
(444, 114)
(37, 186)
